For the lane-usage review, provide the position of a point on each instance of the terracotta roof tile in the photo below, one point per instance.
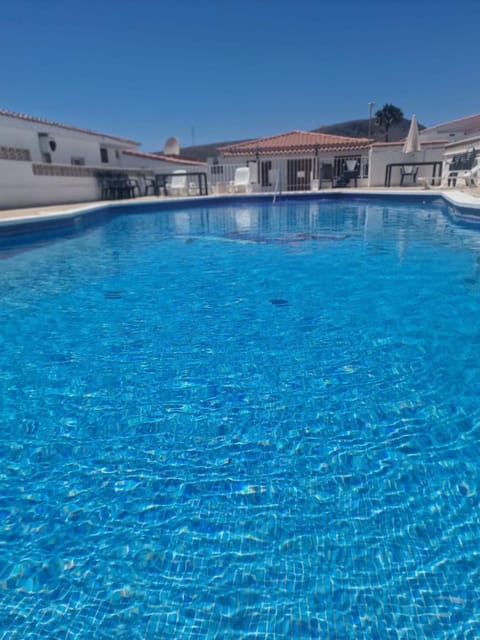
(166, 158)
(296, 142)
(23, 116)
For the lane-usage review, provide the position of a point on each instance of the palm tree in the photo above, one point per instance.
(386, 116)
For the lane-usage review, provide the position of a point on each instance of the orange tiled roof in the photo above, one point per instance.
(160, 156)
(23, 116)
(296, 142)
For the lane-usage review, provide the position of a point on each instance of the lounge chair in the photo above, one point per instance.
(178, 183)
(471, 177)
(408, 171)
(459, 167)
(241, 180)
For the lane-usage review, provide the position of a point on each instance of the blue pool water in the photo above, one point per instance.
(242, 421)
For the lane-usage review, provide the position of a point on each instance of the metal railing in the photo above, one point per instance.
(285, 174)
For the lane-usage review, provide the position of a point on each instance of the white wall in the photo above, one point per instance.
(462, 146)
(448, 135)
(23, 134)
(19, 187)
(381, 155)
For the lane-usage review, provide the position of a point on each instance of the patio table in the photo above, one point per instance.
(435, 164)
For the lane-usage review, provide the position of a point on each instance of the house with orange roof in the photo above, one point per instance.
(294, 161)
(304, 161)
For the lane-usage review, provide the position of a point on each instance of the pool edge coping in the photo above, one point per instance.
(464, 203)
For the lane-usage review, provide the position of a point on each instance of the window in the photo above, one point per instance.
(77, 160)
(217, 169)
(103, 154)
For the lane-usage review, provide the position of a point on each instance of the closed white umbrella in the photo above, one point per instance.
(412, 142)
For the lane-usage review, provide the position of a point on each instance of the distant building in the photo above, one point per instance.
(161, 162)
(454, 130)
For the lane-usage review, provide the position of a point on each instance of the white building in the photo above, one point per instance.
(388, 159)
(44, 162)
(453, 131)
(303, 161)
(293, 161)
(440, 144)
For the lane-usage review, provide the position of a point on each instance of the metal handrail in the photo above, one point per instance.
(277, 189)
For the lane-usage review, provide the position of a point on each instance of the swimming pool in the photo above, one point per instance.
(242, 421)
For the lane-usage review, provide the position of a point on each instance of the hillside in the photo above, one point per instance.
(351, 128)
(359, 129)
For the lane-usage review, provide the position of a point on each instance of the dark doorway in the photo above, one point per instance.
(298, 174)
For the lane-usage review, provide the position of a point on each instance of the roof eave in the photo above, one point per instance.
(296, 150)
(163, 158)
(51, 123)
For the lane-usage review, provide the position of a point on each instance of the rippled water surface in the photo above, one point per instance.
(242, 422)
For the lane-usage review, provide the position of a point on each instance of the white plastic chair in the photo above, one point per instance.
(463, 167)
(470, 176)
(241, 180)
(178, 184)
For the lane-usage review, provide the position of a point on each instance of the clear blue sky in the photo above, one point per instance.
(221, 70)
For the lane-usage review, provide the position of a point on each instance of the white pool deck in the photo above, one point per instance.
(465, 198)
